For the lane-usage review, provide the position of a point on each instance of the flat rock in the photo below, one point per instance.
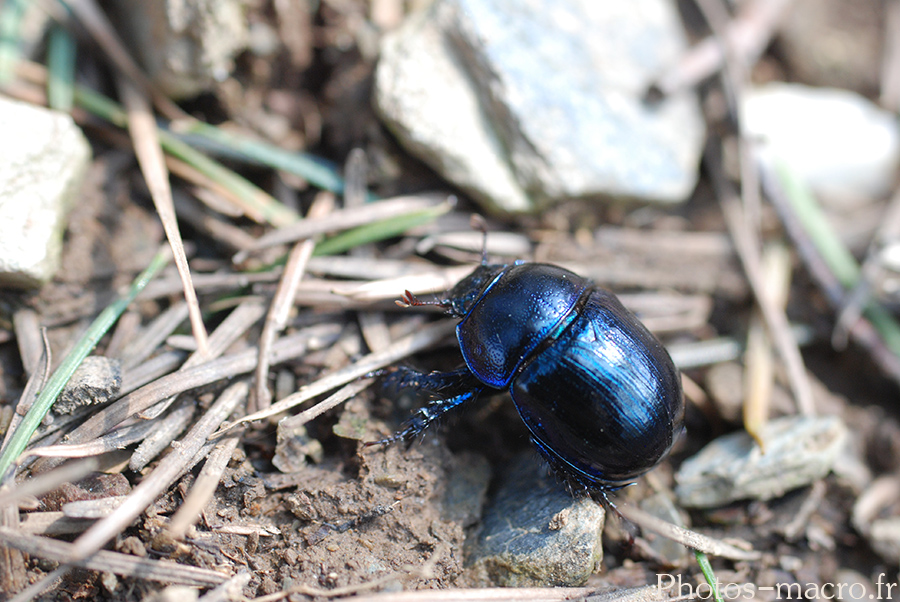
(843, 146)
(43, 159)
(798, 451)
(527, 103)
(534, 533)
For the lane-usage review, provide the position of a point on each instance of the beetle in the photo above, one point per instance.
(597, 391)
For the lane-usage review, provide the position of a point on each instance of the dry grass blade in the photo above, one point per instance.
(344, 219)
(155, 367)
(204, 487)
(113, 562)
(36, 381)
(163, 432)
(125, 330)
(162, 476)
(372, 324)
(890, 69)
(434, 281)
(53, 524)
(238, 203)
(229, 591)
(148, 341)
(283, 302)
(689, 538)
(142, 126)
(402, 348)
(217, 228)
(229, 331)
(340, 396)
(118, 439)
(29, 339)
(759, 376)
(49, 481)
(42, 585)
(160, 389)
(776, 320)
(13, 575)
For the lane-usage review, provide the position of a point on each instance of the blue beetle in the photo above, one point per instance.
(598, 393)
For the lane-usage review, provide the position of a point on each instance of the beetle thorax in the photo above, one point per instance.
(518, 310)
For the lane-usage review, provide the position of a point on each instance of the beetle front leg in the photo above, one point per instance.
(425, 416)
(404, 377)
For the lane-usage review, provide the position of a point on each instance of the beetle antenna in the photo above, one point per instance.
(410, 300)
(478, 223)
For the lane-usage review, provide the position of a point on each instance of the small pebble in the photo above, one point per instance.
(43, 160)
(294, 446)
(96, 381)
(534, 533)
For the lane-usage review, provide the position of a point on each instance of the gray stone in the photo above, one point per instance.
(523, 103)
(467, 485)
(798, 451)
(43, 159)
(534, 533)
(185, 45)
(662, 506)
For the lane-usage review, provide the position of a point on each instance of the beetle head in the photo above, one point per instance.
(465, 294)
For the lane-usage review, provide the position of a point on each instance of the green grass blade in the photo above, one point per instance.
(379, 230)
(318, 172)
(82, 348)
(271, 210)
(708, 574)
(838, 258)
(61, 54)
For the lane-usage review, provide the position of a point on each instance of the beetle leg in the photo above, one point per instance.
(404, 377)
(426, 415)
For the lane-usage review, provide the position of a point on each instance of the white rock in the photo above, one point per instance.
(527, 102)
(43, 159)
(425, 97)
(839, 143)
